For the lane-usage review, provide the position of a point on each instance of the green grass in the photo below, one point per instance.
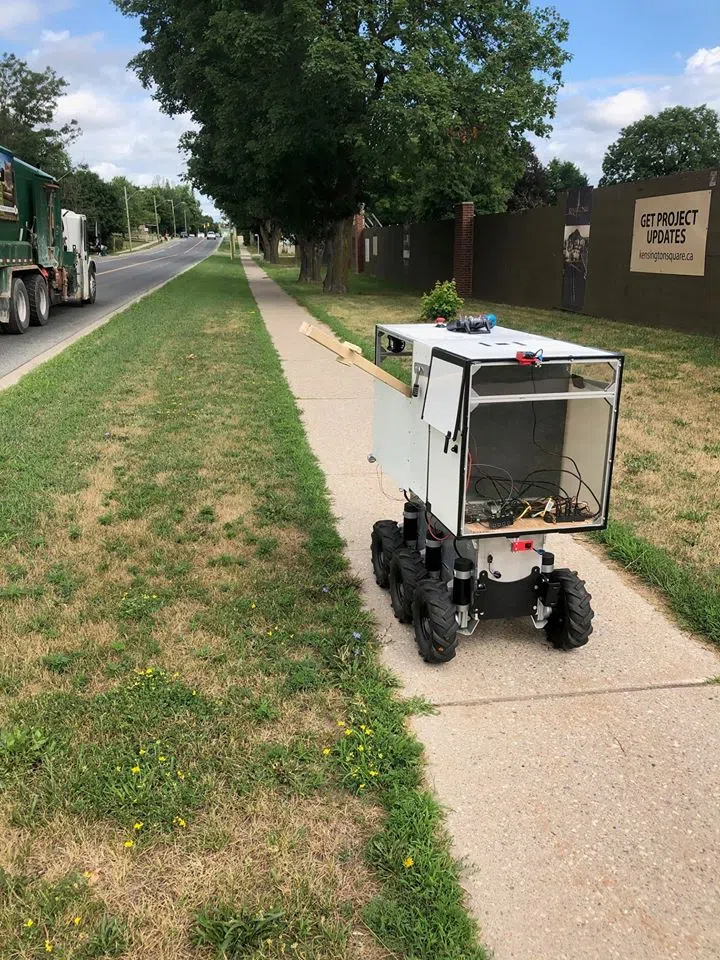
(190, 695)
(665, 508)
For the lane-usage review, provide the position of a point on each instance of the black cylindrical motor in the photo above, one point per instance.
(462, 589)
(547, 562)
(433, 556)
(462, 581)
(410, 524)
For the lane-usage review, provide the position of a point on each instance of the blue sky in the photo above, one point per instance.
(630, 57)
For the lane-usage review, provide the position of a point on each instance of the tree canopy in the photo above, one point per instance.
(538, 185)
(675, 140)
(28, 108)
(306, 110)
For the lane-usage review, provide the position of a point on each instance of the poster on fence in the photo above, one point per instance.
(576, 246)
(670, 234)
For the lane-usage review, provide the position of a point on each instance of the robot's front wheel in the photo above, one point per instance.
(434, 621)
(570, 623)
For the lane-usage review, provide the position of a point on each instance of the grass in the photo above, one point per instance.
(666, 504)
(200, 755)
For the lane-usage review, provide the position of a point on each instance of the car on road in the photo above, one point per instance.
(211, 235)
(201, 235)
(183, 235)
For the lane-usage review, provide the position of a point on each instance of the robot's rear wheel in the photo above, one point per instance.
(386, 538)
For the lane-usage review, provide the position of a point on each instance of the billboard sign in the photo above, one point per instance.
(8, 199)
(670, 233)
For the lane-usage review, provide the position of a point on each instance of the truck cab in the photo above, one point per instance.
(75, 240)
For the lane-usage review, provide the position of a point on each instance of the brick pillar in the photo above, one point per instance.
(463, 249)
(359, 242)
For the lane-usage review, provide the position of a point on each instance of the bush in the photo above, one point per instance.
(442, 301)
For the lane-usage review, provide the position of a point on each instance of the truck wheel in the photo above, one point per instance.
(39, 298)
(435, 623)
(406, 571)
(92, 282)
(19, 307)
(570, 623)
(386, 538)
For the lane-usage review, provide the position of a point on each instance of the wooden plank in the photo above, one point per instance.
(350, 353)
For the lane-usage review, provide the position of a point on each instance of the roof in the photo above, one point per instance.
(501, 343)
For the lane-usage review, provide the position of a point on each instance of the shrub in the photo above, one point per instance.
(442, 301)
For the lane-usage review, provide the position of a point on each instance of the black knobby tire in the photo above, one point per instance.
(406, 571)
(19, 307)
(570, 623)
(386, 538)
(434, 621)
(39, 297)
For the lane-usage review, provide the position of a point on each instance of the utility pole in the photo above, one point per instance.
(185, 212)
(157, 220)
(127, 211)
(172, 202)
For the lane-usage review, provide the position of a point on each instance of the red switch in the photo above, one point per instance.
(519, 546)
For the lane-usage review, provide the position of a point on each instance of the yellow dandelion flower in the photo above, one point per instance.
(362, 786)
(162, 759)
(135, 769)
(154, 596)
(29, 923)
(194, 693)
(178, 821)
(348, 732)
(129, 843)
(175, 675)
(373, 773)
(149, 671)
(77, 921)
(142, 752)
(252, 606)
(87, 874)
(361, 748)
(139, 825)
(181, 774)
(49, 947)
(408, 862)
(341, 723)
(326, 751)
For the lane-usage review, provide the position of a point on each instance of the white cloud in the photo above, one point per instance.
(619, 110)
(591, 114)
(107, 170)
(97, 110)
(704, 61)
(23, 13)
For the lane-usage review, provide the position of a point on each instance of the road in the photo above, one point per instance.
(120, 280)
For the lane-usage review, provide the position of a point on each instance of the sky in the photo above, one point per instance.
(629, 58)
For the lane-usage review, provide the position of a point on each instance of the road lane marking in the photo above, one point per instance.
(140, 263)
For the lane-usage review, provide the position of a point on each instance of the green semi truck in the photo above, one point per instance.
(44, 257)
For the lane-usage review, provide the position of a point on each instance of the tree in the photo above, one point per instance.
(532, 189)
(564, 175)
(85, 192)
(677, 139)
(27, 112)
(308, 109)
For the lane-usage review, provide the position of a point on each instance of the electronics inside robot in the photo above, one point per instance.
(534, 462)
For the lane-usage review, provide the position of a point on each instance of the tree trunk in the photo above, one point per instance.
(270, 239)
(310, 261)
(338, 271)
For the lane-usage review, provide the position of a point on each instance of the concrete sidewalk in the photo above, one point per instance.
(583, 788)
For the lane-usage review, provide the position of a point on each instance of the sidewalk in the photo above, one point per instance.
(583, 788)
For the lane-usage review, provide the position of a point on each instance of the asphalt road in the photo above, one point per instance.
(119, 280)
